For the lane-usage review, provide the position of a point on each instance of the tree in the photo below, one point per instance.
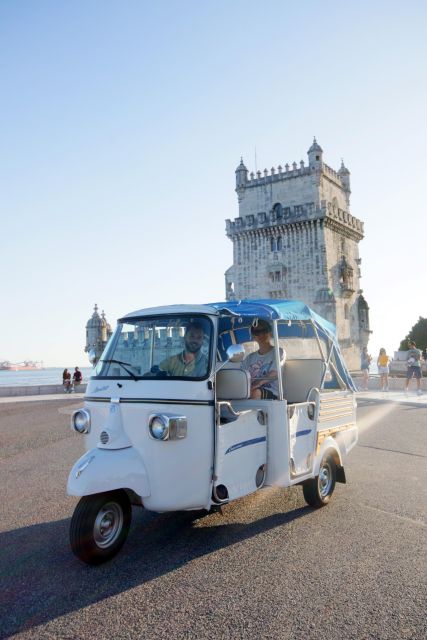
(418, 334)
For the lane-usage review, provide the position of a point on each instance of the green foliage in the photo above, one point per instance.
(418, 334)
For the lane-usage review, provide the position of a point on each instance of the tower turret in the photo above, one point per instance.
(106, 328)
(241, 179)
(315, 155)
(344, 175)
(98, 332)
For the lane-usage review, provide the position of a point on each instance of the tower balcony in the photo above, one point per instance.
(346, 291)
(277, 287)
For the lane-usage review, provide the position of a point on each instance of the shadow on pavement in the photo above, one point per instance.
(41, 579)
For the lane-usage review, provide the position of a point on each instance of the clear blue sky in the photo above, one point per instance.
(122, 123)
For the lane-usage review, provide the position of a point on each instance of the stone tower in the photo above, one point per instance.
(98, 332)
(295, 238)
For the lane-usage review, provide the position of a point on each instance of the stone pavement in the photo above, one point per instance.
(394, 396)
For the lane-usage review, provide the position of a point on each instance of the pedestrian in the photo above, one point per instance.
(413, 362)
(77, 377)
(365, 363)
(66, 380)
(425, 354)
(383, 363)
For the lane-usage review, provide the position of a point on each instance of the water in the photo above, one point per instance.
(51, 375)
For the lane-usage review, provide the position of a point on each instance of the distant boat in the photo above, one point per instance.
(27, 365)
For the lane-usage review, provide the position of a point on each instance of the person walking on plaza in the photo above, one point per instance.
(383, 362)
(413, 361)
(77, 377)
(365, 362)
(66, 380)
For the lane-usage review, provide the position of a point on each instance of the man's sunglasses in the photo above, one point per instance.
(257, 332)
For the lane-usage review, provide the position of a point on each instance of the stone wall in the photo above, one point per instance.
(36, 390)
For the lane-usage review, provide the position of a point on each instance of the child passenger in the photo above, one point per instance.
(262, 364)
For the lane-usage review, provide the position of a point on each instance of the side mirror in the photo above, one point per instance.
(236, 353)
(92, 356)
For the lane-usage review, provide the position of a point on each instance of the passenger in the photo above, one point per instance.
(191, 361)
(262, 364)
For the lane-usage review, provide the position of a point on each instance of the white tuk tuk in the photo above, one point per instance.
(175, 419)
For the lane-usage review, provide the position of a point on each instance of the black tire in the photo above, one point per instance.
(100, 525)
(319, 490)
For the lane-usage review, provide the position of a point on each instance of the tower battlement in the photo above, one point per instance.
(288, 172)
(351, 226)
(316, 167)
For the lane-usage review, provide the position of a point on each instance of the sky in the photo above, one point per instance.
(122, 123)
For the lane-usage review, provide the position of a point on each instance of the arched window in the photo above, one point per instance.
(363, 312)
(279, 243)
(277, 211)
(273, 244)
(334, 205)
(346, 312)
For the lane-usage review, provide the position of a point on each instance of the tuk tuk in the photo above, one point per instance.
(175, 418)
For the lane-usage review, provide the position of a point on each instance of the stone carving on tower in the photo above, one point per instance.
(98, 332)
(295, 238)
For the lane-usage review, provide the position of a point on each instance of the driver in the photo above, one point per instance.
(191, 361)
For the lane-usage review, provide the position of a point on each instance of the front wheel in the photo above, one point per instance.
(100, 525)
(318, 491)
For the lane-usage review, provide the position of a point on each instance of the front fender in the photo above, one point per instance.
(101, 470)
(329, 444)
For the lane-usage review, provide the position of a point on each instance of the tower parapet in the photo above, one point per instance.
(308, 211)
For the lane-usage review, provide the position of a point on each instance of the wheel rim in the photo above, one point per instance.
(108, 525)
(325, 479)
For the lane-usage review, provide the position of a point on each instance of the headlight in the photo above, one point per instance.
(167, 427)
(159, 428)
(80, 421)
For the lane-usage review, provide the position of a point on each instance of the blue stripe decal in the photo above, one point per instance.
(302, 433)
(245, 443)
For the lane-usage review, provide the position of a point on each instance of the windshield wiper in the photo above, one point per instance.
(123, 364)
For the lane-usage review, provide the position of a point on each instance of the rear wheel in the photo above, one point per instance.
(100, 525)
(318, 491)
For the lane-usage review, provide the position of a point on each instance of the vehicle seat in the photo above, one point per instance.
(299, 376)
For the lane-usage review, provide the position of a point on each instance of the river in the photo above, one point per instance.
(50, 375)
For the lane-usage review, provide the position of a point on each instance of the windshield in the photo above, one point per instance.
(163, 347)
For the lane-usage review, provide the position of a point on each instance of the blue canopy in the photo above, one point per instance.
(304, 323)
